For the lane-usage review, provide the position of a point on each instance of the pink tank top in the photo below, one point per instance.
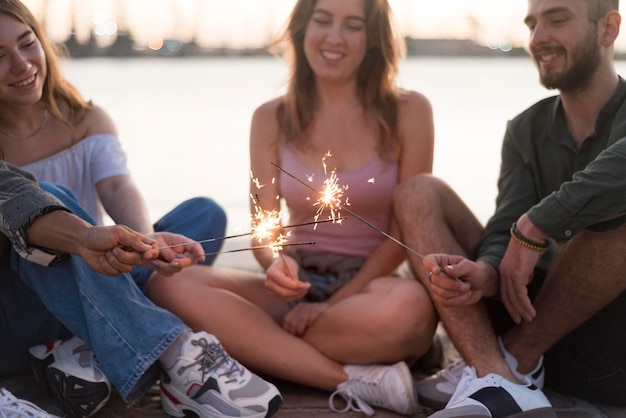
(369, 195)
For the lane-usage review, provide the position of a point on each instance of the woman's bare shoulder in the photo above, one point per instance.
(413, 99)
(96, 121)
(268, 109)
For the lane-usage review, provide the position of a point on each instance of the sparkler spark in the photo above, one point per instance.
(244, 234)
(335, 200)
(258, 247)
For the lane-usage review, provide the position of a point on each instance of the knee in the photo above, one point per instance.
(420, 193)
(412, 319)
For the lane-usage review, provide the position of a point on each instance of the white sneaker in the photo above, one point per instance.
(494, 396)
(389, 387)
(537, 376)
(12, 407)
(205, 380)
(435, 391)
(69, 370)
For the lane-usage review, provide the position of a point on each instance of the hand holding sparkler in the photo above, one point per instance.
(330, 197)
(282, 281)
(175, 253)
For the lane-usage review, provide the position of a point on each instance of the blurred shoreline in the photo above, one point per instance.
(124, 46)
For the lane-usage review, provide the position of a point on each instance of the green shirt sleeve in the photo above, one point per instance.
(594, 194)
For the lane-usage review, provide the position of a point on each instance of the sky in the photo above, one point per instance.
(251, 23)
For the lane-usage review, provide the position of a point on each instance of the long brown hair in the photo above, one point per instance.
(56, 88)
(376, 80)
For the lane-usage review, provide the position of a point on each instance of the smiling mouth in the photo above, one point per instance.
(26, 82)
(546, 56)
(332, 55)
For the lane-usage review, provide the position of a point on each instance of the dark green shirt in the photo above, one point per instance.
(563, 189)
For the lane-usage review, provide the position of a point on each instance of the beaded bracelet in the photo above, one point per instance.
(525, 241)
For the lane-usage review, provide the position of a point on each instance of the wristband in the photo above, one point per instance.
(527, 242)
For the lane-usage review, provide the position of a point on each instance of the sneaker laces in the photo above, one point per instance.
(354, 391)
(213, 358)
(352, 400)
(12, 407)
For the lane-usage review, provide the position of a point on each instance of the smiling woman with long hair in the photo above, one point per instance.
(333, 315)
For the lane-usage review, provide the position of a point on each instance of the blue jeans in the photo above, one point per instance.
(199, 219)
(126, 331)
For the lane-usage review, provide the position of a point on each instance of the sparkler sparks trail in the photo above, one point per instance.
(259, 247)
(334, 201)
(244, 234)
(263, 223)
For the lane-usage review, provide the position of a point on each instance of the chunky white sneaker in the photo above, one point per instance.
(389, 387)
(494, 396)
(69, 371)
(205, 380)
(12, 407)
(435, 391)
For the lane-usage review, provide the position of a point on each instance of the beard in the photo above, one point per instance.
(585, 61)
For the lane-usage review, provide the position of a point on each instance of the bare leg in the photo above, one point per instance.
(235, 306)
(586, 276)
(392, 320)
(433, 219)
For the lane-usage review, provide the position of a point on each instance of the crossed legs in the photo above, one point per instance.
(391, 320)
(581, 307)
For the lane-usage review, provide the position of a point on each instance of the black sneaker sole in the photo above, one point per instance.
(39, 368)
(274, 406)
(78, 398)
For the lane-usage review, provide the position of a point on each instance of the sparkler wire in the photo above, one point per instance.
(244, 234)
(360, 218)
(259, 247)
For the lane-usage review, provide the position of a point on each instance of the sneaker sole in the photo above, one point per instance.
(412, 396)
(39, 367)
(172, 406)
(78, 398)
(470, 412)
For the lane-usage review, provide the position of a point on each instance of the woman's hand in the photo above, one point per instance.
(282, 279)
(175, 253)
(300, 318)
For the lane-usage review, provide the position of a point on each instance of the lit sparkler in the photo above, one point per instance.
(243, 234)
(330, 197)
(259, 247)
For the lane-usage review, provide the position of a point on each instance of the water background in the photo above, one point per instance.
(184, 122)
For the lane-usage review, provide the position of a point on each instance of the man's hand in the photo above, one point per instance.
(457, 281)
(516, 272)
(113, 250)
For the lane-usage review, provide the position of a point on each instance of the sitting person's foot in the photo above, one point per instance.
(435, 391)
(494, 396)
(388, 387)
(12, 407)
(205, 380)
(69, 371)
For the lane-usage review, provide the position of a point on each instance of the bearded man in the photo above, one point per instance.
(552, 255)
